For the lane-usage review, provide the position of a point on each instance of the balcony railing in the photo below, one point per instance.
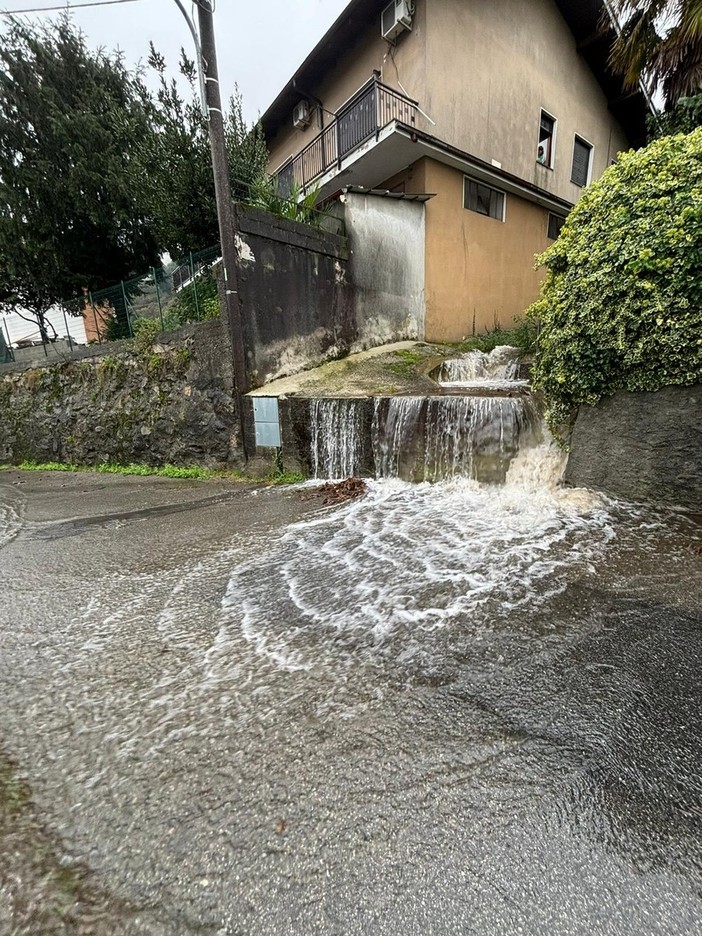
(373, 108)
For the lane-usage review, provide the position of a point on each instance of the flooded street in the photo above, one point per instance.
(439, 709)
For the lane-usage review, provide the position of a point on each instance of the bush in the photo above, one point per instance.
(197, 301)
(621, 306)
(685, 117)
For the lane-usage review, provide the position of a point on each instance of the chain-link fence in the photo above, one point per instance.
(180, 291)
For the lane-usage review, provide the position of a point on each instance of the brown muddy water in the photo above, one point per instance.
(441, 709)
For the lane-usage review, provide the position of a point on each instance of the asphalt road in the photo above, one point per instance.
(232, 710)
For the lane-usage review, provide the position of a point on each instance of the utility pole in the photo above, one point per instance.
(226, 215)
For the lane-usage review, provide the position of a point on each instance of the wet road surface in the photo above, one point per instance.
(438, 710)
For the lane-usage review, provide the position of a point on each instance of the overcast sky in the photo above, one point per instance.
(260, 43)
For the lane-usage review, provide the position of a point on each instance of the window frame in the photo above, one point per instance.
(467, 180)
(578, 138)
(553, 214)
(554, 139)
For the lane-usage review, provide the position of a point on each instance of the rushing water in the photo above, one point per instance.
(497, 369)
(432, 438)
(441, 437)
(410, 559)
(336, 437)
(453, 707)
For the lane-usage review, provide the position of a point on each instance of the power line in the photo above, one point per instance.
(65, 6)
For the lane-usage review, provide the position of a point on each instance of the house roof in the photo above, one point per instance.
(385, 193)
(584, 17)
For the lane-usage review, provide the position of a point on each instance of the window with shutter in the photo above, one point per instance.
(582, 152)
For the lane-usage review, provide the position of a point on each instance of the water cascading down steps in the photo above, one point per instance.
(481, 417)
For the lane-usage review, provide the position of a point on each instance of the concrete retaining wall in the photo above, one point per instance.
(309, 296)
(296, 298)
(642, 446)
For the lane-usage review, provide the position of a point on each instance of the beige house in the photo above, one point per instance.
(502, 110)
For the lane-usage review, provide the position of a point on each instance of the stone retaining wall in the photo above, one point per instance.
(170, 403)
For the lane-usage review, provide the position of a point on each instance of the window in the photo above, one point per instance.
(546, 149)
(483, 199)
(582, 159)
(555, 225)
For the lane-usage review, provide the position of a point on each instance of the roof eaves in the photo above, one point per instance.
(323, 55)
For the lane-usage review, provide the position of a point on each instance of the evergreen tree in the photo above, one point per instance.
(172, 167)
(70, 219)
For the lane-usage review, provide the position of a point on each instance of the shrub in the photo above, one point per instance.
(621, 306)
(197, 301)
(685, 117)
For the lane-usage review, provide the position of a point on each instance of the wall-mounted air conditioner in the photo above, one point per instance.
(302, 115)
(396, 18)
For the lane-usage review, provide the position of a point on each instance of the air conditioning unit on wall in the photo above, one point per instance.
(302, 115)
(396, 18)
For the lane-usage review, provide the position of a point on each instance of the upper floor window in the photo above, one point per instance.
(484, 199)
(582, 162)
(546, 149)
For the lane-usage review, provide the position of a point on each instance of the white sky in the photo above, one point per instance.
(260, 43)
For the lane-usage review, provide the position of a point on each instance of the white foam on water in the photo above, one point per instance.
(10, 522)
(506, 385)
(408, 560)
(478, 368)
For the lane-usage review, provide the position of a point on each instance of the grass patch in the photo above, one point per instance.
(165, 471)
(286, 477)
(523, 336)
(406, 364)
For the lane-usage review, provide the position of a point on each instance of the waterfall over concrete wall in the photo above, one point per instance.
(497, 368)
(336, 438)
(476, 433)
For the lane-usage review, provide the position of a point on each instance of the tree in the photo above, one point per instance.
(69, 218)
(172, 167)
(685, 117)
(621, 306)
(660, 42)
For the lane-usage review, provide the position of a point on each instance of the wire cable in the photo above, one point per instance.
(65, 6)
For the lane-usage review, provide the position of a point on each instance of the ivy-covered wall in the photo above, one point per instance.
(166, 402)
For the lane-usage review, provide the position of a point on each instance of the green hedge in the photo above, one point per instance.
(621, 306)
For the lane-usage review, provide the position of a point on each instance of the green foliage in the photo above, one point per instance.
(685, 117)
(265, 193)
(172, 167)
(406, 364)
(165, 471)
(660, 41)
(523, 335)
(196, 302)
(621, 306)
(145, 331)
(286, 477)
(69, 119)
(276, 476)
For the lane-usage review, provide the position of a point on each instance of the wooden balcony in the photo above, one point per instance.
(367, 113)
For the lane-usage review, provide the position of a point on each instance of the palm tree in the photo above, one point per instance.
(660, 42)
